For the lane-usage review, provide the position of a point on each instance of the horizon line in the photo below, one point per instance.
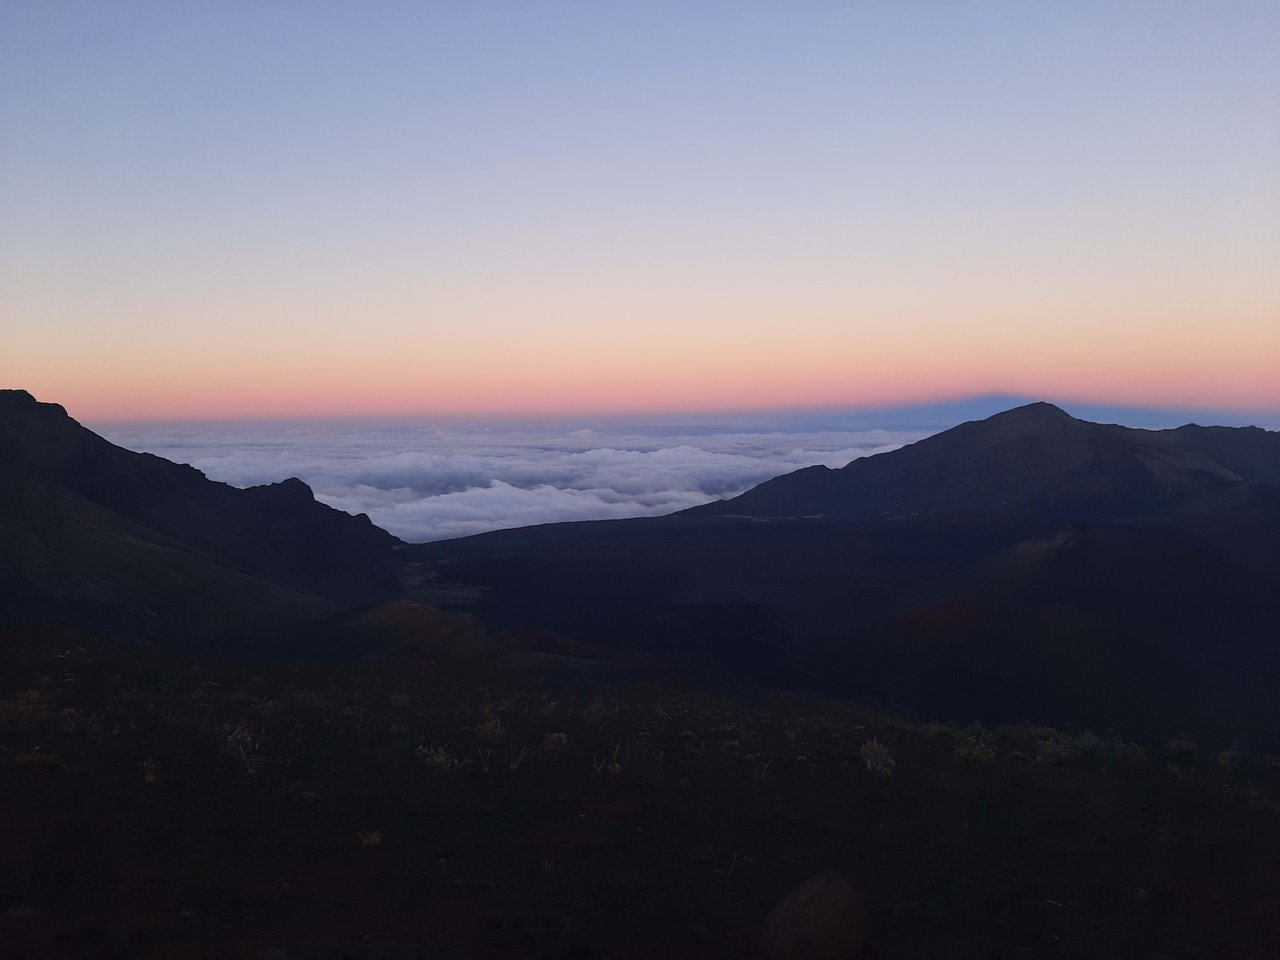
(1082, 409)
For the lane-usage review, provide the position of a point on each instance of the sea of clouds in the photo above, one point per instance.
(426, 481)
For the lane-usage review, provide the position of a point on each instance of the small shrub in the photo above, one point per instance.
(491, 728)
(438, 758)
(1025, 731)
(372, 839)
(26, 710)
(1181, 746)
(242, 742)
(973, 749)
(1129, 751)
(1231, 757)
(38, 762)
(877, 757)
(1056, 750)
(608, 763)
(1089, 744)
(555, 741)
(149, 768)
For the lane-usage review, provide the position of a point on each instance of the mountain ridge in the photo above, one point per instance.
(1029, 563)
(1036, 461)
(138, 541)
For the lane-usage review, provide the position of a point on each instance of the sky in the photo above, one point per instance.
(289, 209)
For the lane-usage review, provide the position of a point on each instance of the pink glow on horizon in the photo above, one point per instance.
(440, 212)
(763, 362)
(621, 391)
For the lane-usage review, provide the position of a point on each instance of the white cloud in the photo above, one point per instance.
(433, 482)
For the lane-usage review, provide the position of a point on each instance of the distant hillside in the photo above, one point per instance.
(98, 535)
(1032, 461)
(1026, 565)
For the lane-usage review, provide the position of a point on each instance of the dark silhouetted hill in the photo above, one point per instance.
(1030, 564)
(1035, 461)
(1027, 565)
(105, 537)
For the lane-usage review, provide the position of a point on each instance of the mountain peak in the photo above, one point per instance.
(20, 400)
(1039, 412)
(1030, 419)
(1033, 460)
(290, 487)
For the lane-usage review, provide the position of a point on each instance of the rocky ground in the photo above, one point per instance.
(166, 804)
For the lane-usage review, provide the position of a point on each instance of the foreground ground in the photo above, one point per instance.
(163, 804)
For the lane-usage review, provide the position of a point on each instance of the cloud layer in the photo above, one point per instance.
(434, 482)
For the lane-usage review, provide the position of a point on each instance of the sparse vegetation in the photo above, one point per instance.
(1057, 749)
(713, 788)
(39, 762)
(974, 749)
(877, 757)
(1231, 757)
(243, 741)
(491, 728)
(24, 711)
(438, 758)
(1089, 744)
(301, 698)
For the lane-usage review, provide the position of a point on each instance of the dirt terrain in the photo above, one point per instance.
(158, 803)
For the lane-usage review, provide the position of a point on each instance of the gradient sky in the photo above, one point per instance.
(280, 209)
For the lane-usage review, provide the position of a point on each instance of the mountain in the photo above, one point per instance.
(100, 536)
(1034, 461)
(1026, 565)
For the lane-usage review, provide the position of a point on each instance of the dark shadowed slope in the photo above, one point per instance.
(1032, 461)
(99, 535)
(1030, 564)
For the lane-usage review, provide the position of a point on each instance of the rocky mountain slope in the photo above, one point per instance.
(1033, 461)
(97, 535)
(1027, 565)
